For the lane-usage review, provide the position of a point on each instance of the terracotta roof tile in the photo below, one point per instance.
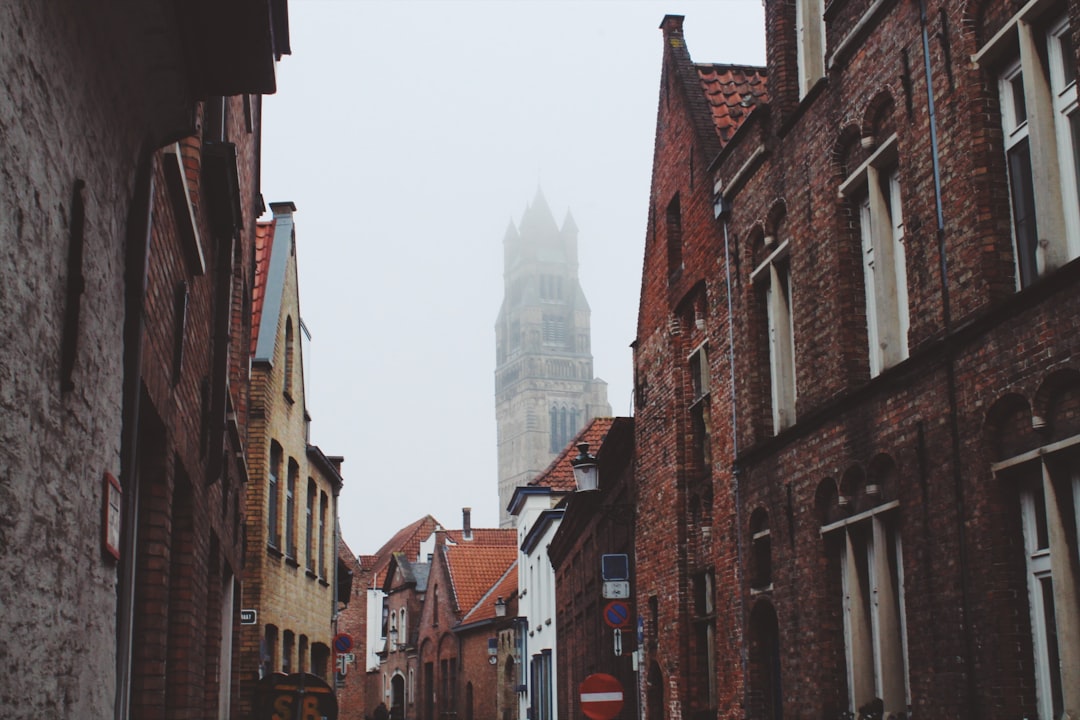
(474, 568)
(559, 475)
(482, 536)
(407, 540)
(264, 241)
(732, 91)
(505, 588)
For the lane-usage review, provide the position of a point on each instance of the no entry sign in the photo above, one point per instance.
(601, 696)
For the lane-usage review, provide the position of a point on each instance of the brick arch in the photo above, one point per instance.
(755, 237)
(878, 121)
(825, 501)
(852, 484)
(1009, 430)
(1056, 405)
(882, 474)
(774, 221)
(846, 152)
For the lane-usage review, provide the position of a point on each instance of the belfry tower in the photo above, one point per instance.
(544, 386)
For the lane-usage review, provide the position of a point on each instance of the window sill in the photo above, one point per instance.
(272, 550)
(311, 574)
(323, 583)
(755, 591)
(291, 561)
(288, 397)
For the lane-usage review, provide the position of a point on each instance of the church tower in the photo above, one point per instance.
(544, 386)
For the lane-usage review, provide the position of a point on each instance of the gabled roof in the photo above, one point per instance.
(733, 91)
(264, 333)
(407, 541)
(504, 588)
(559, 475)
(264, 240)
(480, 536)
(474, 568)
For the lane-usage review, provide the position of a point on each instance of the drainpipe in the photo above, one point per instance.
(136, 262)
(722, 210)
(950, 373)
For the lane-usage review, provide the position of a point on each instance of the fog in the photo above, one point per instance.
(410, 135)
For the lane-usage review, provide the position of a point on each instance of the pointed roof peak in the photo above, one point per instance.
(569, 226)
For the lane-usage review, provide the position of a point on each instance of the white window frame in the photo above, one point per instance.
(1056, 562)
(810, 43)
(875, 186)
(1050, 100)
(869, 583)
(775, 274)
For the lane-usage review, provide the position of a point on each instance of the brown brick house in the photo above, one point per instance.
(877, 327)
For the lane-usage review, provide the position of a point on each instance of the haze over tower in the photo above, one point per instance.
(544, 386)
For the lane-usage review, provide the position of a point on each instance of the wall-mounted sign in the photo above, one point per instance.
(300, 695)
(249, 617)
(110, 520)
(615, 589)
(615, 566)
(617, 614)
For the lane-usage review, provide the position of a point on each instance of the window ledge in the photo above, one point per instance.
(272, 549)
(291, 561)
(311, 574)
(323, 583)
(288, 397)
(755, 591)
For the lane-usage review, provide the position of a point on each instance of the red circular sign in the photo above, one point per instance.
(601, 696)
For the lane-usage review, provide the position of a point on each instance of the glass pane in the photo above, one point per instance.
(1023, 207)
(1068, 57)
(1052, 657)
(1019, 107)
(1074, 132)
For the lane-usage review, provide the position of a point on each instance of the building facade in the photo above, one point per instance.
(882, 312)
(124, 261)
(291, 513)
(545, 390)
(595, 635)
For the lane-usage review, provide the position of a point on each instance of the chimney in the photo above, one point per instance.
(466, 523)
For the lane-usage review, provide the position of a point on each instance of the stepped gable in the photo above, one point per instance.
(559, 475)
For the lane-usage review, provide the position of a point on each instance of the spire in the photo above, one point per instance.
(538, 218)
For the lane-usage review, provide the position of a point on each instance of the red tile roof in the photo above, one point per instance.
(732, 91)
(482, 536)
(474, 568)
(264, 241)
(406, 540)
(559, 475)
(505, 588)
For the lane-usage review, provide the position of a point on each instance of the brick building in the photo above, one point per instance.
(129, 209)
(860, 308)
(291, 514)
(594, 524)
(352, 620)
(405, 587)
(461, 621)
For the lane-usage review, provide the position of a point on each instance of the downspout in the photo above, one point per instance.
(722, 210)
(136, 262)
(950, 372)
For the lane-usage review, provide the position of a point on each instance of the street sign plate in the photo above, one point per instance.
(249, 617)
(617, 614)
(615, 589)
(343, 643)
(601, 696)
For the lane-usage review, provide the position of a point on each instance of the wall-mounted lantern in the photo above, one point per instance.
(586, 471)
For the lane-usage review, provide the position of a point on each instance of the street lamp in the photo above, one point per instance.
(586, 472)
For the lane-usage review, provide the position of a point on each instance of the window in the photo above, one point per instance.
(699, 412)
(554, 330)
(674, 237)
(269, 651)
(290, 509)
(309, 525)
(323, 508)
(273, 511)
(288, 638)
(403, 636)
(1049, 487)
(773, 277)
(1041, 127)
(704, 623)
(301, 663)
(289, 352)
(448, 670)
(760, 551)
(564, 426)
(867, 547)
(810, 43)
(875, 188)
(542, 700)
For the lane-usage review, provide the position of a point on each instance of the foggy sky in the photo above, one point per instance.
(410, 135)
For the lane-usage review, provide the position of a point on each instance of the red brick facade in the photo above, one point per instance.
(906, 476)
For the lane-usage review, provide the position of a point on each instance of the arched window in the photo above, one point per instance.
(289, 355)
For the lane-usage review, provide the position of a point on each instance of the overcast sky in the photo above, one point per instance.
(410, 135)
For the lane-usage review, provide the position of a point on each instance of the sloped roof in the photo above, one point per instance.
(504, 588)
(559, 475)
(474, 568)
(480, 536)
(264, 241)
(407, 540)
(732, 91)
